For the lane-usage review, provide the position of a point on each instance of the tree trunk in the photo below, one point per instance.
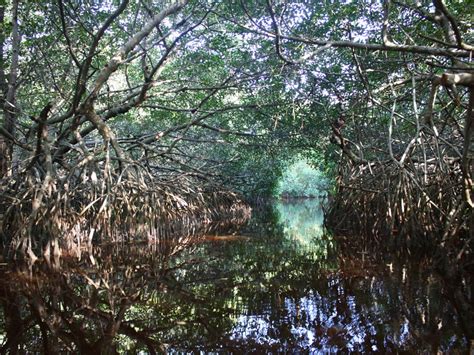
(8, 91)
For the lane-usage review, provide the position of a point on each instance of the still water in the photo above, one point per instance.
(276, 285)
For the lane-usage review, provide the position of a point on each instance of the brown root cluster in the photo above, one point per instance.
(409, 207)
(70, 215)
(412, 187)
(384, 209)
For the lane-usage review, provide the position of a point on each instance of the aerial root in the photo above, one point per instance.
(73, 214)
(402, 207)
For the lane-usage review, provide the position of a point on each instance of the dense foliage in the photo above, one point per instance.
(106, 103)
(302, 180)
(147, 120)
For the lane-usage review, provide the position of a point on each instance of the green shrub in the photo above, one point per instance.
(302, 180)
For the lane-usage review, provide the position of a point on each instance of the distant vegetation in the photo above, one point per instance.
(302, 180)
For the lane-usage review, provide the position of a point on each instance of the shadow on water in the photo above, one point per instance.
(279, 284)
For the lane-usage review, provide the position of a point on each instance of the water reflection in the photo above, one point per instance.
(277, 285)
(302, 223)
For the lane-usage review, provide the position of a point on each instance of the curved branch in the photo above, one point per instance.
(441, 52)
(277, 35)
(83, 73)
(380, 47)
(441, 8)
(121, 55)
(65, 33)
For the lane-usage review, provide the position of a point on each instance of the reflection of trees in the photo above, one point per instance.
(81, 307)
(121, 298)
(302, 222)
(349, 310)
(428, 290)
(258, 292)
(290, 298)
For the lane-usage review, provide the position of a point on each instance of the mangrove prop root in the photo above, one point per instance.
(75, 212)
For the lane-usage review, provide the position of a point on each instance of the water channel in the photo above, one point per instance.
(278, 284)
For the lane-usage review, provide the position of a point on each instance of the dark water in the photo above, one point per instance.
(277, 285)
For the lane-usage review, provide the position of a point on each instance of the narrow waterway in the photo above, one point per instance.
(277, 284)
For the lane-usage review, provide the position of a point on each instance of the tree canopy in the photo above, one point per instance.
(108, 101)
